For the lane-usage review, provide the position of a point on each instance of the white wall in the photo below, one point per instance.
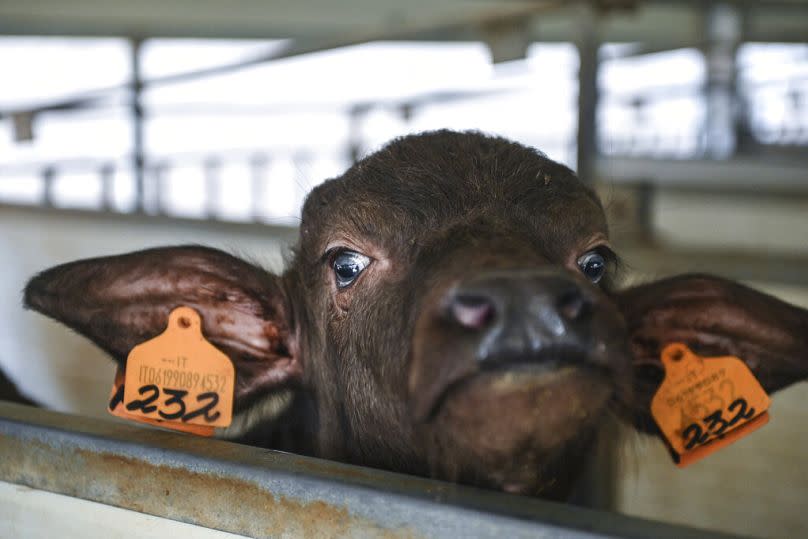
(37, 514)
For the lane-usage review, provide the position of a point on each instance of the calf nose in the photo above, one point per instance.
(523, 315)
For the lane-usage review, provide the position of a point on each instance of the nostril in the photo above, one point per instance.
(572, 304)
(473, 312)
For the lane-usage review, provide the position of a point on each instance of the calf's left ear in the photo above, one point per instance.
(121, 301)
(713, 317)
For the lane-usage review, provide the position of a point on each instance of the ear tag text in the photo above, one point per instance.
(705, 404)
(177, 380)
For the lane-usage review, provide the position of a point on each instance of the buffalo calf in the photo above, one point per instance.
(449, 311)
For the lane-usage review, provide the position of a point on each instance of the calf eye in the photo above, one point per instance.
(593, 265)
(347, 267)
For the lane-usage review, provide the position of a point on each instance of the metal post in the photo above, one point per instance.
(259, 165)
(406, 111)
(107, 177)
(48, 176)
(645, 212)
(723, 29)
(136, 107)
(355, 117)
(301, 163)
(212, 186)
(157, 205)
(596, 488)
(588, 45)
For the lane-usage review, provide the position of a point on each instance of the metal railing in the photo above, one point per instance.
(264, 493)
(206, 173)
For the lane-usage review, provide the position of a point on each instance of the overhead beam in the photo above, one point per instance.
(298, 47)
(248, 19)
(660, 23)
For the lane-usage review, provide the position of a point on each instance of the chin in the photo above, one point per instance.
(520, 432)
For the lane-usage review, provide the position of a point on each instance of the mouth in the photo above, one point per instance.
(518, 372)
(545, 360)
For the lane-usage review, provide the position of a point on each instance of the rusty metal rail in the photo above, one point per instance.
(263, 493)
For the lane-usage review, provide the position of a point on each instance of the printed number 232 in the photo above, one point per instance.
(173, 408)
(716, 425)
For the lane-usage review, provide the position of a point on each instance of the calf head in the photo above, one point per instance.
(448, 311)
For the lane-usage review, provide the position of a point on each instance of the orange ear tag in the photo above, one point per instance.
(705, 404)
(177, 380)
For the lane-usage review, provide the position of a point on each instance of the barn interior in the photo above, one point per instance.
(126, 125)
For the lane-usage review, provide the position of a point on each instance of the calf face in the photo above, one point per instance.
(448, 311)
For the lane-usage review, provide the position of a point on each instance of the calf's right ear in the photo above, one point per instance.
(714, 317)
(121, 301)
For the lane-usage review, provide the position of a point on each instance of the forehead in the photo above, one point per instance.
(433, 181)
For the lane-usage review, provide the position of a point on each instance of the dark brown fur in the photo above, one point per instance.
(374, 375)
(9, 392)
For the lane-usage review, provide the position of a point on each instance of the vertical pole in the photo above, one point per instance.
(597, 486)
(588, 45)
(723, 29)
(136, 108)
(107, 176)
(48, 177)
(301, 164)
(159, 173)
(355, 117)
(259, 165)
(212, 186)
(645, 212)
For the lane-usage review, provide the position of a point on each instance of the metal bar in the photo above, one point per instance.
(48, 177)
(301, 166)
(756, 177)
(107, 177)
(645, 212)
(186, 225)
(262, 493)
(105, 19)
(259, 167)
(213, 184)
(723, 28)
(588, 46)
(354, 144)
(138, 151)
(89, 165)
(157, 200)
(600, 476)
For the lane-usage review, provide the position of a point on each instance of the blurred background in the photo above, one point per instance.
(140, 123)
